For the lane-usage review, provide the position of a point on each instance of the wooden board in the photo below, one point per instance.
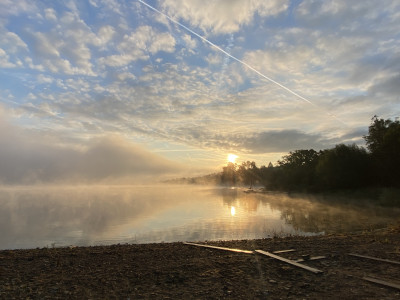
(221, 248)
(382, 282)
(375, 258)
(284, 251)
(311, 258)
(233, 249)
(288, 261)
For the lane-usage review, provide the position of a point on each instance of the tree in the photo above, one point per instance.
(297, 169)
(229, 174)
(383, 142)
(345, 166)
(299, 158)
(248, 173)
(267, 176)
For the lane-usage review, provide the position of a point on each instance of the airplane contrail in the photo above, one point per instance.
(237, 59)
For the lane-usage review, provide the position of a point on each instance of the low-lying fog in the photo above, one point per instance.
(34, 216)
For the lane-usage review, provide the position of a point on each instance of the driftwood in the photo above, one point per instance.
(283, 251)
(292, 262)
(233, 249)
(221, 248)
(375, 258)
(382, 282)
(311, 258)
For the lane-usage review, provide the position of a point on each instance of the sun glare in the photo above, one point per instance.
(232, 158)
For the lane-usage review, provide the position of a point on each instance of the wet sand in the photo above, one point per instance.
(179, 271)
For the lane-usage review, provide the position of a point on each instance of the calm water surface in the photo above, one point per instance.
(100, 215)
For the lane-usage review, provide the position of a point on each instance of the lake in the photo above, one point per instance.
(59, 216)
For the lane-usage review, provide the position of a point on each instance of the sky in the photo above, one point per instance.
(107, 90)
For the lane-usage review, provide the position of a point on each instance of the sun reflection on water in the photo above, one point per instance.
(233, 211)
(97, 215)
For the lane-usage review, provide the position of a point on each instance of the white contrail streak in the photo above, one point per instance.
(237, 59)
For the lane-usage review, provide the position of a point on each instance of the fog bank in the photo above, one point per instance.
(28, 157)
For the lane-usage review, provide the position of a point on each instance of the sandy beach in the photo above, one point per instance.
(180, 271)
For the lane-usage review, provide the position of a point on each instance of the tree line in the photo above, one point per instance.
(341, 167)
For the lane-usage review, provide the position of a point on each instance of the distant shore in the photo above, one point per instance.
(176, 270)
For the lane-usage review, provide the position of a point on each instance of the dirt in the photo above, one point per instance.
(179, 271)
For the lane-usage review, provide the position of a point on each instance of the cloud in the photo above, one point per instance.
(257, 142)
(283, 141)
(112, 5)
(178, 104)
(11, 46)
(145, 38)
(50, 14)
(225, 16)
(332, 15)
(139, 45)
(190, 42)
(13, 43)
(10, 7)
(309, 58)
(28, 157)
(44, 79)
(5, 60)
(387, 86)
(49, 52)
(105, 35)
(110, 67)
(337, 54)
(354, 136)
(66, 48)
(274, 141)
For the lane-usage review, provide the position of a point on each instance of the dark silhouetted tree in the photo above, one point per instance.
(345, 166)
(383, 142)
(297, 169)
(267, 176)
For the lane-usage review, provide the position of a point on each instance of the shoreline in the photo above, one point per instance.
(176, 270)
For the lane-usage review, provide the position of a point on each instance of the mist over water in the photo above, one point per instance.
(56, 216)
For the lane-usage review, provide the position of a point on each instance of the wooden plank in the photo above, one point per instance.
(382, 282)
(311, 258)
(221, 248)
(292, 262)
(376, 258)
(284, 251)
(233, 249)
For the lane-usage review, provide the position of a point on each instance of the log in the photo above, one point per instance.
(291, 262)
(376, 258)
(382, 282)
(221, 248)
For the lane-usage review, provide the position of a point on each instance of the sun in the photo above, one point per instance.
(232, 158)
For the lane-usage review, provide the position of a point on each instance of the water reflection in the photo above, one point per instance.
(314, 213)
(60, 216)
(84, 215)
(233, 211)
